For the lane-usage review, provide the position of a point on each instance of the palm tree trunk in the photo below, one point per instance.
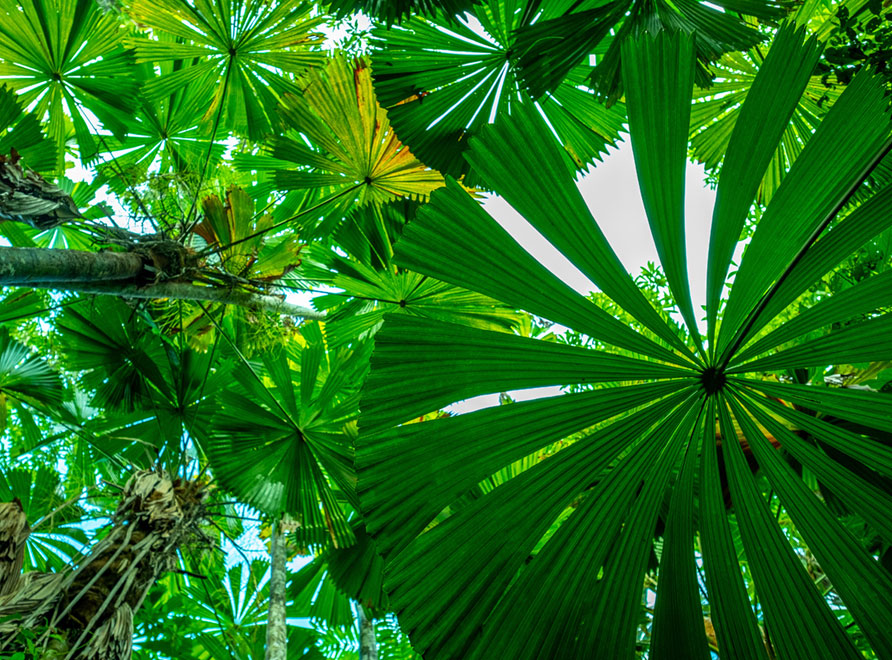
(368, 646)
(276, 628)
(123, 274)
(24, 265)
(88, 610)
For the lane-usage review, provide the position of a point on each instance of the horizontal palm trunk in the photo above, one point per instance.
(123, 274)
(23, 266)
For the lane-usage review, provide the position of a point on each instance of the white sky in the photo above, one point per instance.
(610, 189)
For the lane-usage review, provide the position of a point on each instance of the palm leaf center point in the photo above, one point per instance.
(713, 380)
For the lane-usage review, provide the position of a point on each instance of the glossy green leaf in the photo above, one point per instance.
(732, 617)
(778, 570)
(504, 526)
(490, 261)
(864, 223)
(426, 450)
(818, 182)
(863, 584)
(237, 50)
(658, 122)
(678, 615)
(864, 497)
(550, 202)
(863, 298)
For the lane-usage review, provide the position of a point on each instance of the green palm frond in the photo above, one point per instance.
(67, 56)
(24, 133)
(561, 40)
(371, 285)
(25, 377)
(288, 419)
(242, 55)
(717, 108)
(165, 134)
(391, 11)
(57, 533)
(442, 80)
(118, 351)
(659, 464)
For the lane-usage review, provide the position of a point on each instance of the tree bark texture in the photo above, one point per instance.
(276, 628)
(123, 274)
(24, 265)
(89, 609)
(368, 645)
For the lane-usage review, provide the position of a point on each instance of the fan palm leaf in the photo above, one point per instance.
(242, 54)
(371, 285)
(355, 153)
(67, 55)
(554, 45)
(551, 562)
(289, 418)
(442, 80)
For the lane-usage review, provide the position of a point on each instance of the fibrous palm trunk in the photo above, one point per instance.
(86, 613)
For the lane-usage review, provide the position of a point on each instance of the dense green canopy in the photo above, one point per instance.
(248, 269)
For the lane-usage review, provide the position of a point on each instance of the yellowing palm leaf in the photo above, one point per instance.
(359, 156)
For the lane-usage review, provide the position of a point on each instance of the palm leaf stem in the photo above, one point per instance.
(216, 250)
(207, 158)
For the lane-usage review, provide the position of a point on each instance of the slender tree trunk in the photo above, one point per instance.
(276, 628)
(122, 274)
(368, 646)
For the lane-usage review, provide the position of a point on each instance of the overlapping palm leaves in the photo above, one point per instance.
(22, 131)
(167, 129)
(714, 116)
(25, 377)
(223, 617)
(242, 54)
(441, 80)
(355, 154)
(371, 285)
(151, 391)
(492, 576)
(550, 48)
(67, 56)
(389, 11)
(291, 418)
(57, 534)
